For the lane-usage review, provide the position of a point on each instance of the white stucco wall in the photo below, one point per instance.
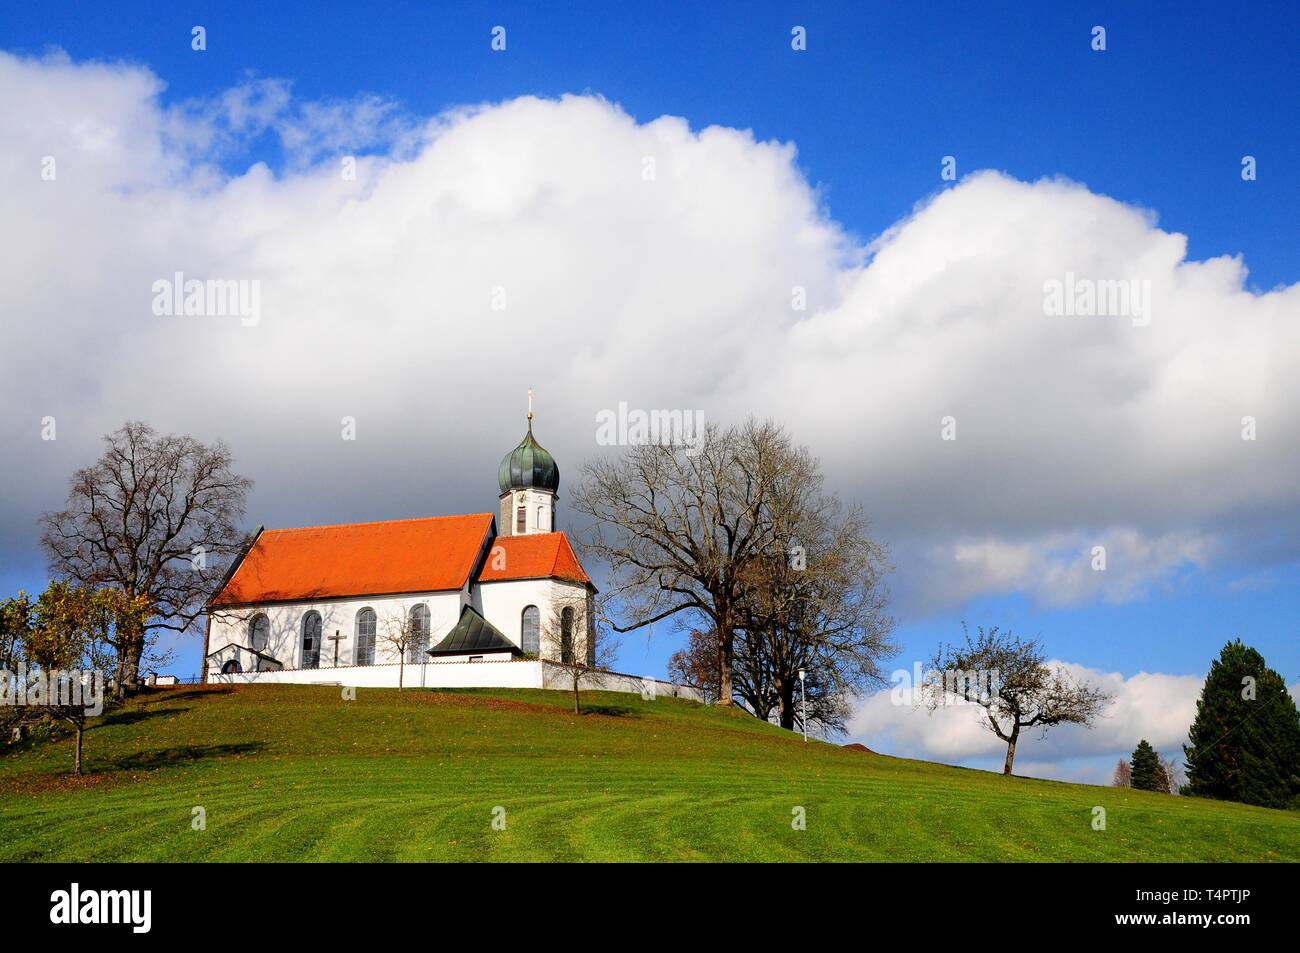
(337, 615)
(503, 604)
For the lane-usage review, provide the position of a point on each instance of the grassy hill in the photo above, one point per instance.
(296, 773)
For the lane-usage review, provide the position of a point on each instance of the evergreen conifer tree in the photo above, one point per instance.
(1245, 742)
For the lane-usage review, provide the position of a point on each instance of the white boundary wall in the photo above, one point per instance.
(557, 677)
(485, 674)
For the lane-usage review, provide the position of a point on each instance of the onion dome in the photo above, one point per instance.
(528, 466)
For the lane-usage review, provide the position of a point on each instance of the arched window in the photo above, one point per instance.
(521, 521)
(541, 518)
(566, 635)
(365, 644)
(419, 643)
(231, 667)
(311, 632)
(259, 632)
(531, 632)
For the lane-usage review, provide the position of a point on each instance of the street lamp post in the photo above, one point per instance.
(803, 694)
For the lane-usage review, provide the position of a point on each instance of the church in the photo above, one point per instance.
(482, 600)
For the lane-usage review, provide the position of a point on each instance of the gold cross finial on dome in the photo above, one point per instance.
(530, 407)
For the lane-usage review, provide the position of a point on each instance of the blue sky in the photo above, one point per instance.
(1161, 119)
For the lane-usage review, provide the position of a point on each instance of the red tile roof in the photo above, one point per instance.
(358, 559)
(536, 556)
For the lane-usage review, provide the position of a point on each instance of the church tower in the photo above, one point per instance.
(529, 481)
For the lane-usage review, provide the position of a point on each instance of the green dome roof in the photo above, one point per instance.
(528, 465)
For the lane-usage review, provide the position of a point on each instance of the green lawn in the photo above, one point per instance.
(297, 773)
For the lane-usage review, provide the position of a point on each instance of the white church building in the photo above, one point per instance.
(441, 601)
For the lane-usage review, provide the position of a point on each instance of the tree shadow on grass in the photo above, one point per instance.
(101, 769)
(170, 757)
(150, 695)
(53, 732)
(613, 711)
(130, 716)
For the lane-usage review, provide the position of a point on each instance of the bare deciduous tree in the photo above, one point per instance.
(812, 600)
(1174, 775)
(679, 525)
(1123, 776)
(572, 633)
(1011, 680)
(816, 602)
(155, 517)
(828, 702)
(697, 664)
(407, 634)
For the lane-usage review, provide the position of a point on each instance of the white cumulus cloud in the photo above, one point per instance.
(665, 290)
(1151, 705)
